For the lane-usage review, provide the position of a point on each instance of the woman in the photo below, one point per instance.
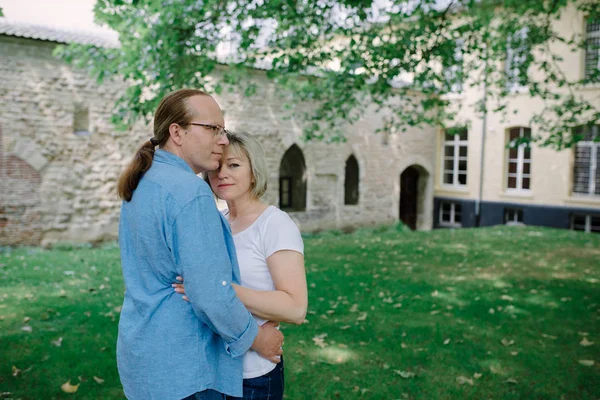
(270, 254)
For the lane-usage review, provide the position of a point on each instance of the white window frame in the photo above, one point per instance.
(588, 222)
(456, 144)
(594, 150)
(514, 59)
(590, 36)
(451, 72)
(520, 161)
(514, 219)
(452, 223)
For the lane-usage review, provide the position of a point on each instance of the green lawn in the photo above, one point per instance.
(494, 313)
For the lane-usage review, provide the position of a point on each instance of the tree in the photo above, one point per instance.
(343, 54)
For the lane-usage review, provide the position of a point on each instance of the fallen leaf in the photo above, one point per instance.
(99, 380)
(549, 336)
(405, 374)
(27, 328)
(585, 342)
(446, 341)
(587, 363)
(514, 353)
(463, 380)
(26, 320)
(319, 340)
(477, 375)
(506, 342)
(362, 316)
(68, 388)
(15, 371)
(57, 342)
(69, 273)
(511, 380)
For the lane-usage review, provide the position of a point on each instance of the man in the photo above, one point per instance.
(167, 348)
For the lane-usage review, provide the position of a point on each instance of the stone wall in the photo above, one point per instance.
(66, 191)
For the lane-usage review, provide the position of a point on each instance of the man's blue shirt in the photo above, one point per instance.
(168, 348)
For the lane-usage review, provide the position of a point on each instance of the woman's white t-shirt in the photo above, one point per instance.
(272, 231)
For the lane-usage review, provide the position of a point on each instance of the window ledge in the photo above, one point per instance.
(449, 225)
(453, 96)
(591, 200)
(590, 86)
(452, 189)
(517, 194)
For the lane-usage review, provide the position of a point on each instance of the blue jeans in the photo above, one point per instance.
(208, 394)
(266, 387)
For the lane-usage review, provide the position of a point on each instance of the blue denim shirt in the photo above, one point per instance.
(168, 348)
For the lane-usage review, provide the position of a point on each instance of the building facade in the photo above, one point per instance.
(481, 180)
(61, 157)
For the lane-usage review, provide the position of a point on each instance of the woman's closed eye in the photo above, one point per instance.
(233, 165)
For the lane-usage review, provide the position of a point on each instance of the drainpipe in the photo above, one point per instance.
(482, 152)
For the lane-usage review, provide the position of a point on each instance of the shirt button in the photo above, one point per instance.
(223, 283)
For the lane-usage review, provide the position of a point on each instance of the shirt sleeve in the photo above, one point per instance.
(202, 249)
(281, 233)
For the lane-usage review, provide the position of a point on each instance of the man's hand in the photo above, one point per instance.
(269, 342)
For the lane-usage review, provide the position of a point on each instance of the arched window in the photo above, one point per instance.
(292, 180)
(351, 181)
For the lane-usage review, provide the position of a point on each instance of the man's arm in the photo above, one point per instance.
(202, 257)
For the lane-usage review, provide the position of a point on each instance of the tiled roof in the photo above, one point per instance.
(99, 37)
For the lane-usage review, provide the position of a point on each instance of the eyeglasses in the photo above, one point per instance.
(218, 130)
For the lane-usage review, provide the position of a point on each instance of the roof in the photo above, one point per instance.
(97, 37)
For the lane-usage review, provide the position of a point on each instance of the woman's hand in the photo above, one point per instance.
(179, 288)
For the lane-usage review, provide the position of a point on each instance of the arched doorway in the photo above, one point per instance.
(409, 196)
(292, 180)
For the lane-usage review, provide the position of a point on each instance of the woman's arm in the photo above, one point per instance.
(289, 301)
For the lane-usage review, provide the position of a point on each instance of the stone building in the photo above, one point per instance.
(60, 156)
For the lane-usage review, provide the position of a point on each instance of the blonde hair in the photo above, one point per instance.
(246, 144)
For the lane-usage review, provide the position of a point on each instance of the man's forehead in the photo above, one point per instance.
(207, 108)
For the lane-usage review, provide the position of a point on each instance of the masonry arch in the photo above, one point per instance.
(351, 181)
(414, 203)
(292, 180)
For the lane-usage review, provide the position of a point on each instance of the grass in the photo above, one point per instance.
(491, 313)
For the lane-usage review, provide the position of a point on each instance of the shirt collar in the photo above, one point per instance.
(169, 158)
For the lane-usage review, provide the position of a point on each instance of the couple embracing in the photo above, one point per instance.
(241, 272)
